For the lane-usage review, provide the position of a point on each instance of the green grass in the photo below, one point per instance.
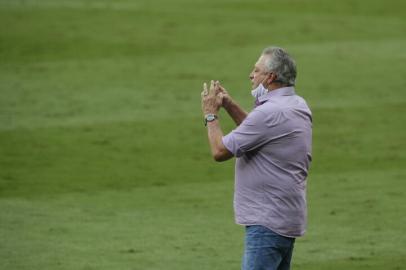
(104, 161)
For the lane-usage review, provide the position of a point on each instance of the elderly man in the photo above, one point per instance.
(272, 146)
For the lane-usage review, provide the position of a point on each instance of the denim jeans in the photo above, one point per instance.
(266, 250)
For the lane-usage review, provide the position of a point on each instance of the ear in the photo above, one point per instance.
(272, 78)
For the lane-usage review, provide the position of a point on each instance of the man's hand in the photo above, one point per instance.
(211, 98)
(223, 94)
(216, 97)
(234, 110)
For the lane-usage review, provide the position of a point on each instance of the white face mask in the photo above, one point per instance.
(259, 91)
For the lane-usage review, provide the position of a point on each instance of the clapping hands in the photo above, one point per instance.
(214, 97)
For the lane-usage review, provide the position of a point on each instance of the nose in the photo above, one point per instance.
(251, 76)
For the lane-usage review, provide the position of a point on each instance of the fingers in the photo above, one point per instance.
(215, 88)
(211, 91)
(205, 92)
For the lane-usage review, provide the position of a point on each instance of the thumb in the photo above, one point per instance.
(222, 89)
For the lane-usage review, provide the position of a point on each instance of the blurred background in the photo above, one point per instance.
(104, 160)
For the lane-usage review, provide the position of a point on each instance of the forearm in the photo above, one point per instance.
(235, 111)
(215, 135)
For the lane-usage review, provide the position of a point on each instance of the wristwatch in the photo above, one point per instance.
(209, 118)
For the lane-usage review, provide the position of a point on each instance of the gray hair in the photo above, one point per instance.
(279, 62)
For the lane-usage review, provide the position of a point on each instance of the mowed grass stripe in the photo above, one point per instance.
(72, 223)
(106, 90)
(131, 154)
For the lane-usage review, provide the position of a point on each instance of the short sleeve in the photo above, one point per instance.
(249, 135)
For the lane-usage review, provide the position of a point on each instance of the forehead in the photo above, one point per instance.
(261, 61)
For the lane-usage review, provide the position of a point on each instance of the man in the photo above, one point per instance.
(272, 146)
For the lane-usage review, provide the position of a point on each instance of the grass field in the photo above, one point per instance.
(104, 161)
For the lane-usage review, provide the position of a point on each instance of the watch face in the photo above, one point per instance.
(210, 117)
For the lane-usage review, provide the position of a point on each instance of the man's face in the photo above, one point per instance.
(259, 74)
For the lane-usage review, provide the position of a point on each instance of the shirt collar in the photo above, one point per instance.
(284, 91)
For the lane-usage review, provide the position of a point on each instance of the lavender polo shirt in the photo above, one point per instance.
(273, 150)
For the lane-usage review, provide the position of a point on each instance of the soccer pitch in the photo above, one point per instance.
(104, 161)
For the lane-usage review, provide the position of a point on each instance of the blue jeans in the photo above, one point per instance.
(266, 250)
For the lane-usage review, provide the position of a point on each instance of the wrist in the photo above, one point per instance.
(210, 111)
(210, 117)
